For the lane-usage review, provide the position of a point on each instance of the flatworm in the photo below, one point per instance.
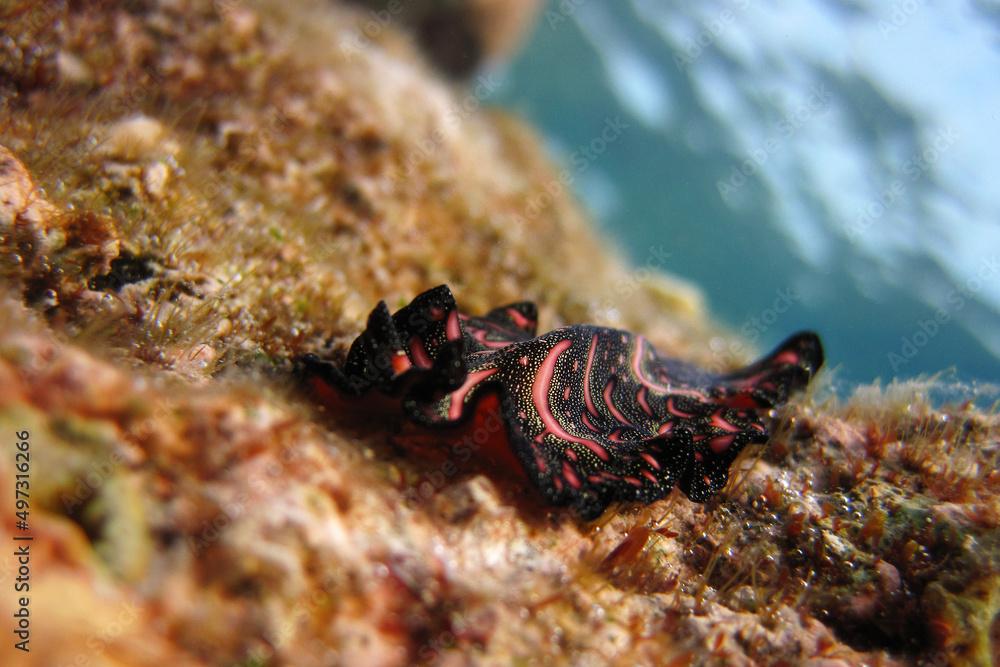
(593, 415)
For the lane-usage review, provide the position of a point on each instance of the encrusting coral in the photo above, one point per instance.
(192, 193)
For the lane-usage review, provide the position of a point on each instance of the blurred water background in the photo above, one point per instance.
(822, 164)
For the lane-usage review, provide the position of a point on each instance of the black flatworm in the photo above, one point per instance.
(593, 415)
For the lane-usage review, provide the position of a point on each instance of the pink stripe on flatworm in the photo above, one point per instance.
(721, 443)
(751, 380)
(519, 319)
(586, 377)
(786, 357)
(640, 397)
(719, 422)
(570, 476)
(539, 461)
(640, 346)
(540, 396)
(458, 396)
(611, 406)
(452, 330)
(419, 353)
(674, 411)
(648, 458)
(480, 335)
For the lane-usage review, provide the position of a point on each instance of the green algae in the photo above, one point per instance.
(80, 473)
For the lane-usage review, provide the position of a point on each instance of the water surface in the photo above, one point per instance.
(811, 164)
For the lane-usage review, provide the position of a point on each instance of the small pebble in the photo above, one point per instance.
(73, 70)
(133, 138)
(154, 179)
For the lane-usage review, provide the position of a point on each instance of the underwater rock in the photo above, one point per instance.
(49, 252)
(21, 202)
(192, 507)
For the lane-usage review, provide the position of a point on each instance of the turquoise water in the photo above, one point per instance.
(828, 165)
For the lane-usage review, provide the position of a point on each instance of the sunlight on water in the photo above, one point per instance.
(843, 151)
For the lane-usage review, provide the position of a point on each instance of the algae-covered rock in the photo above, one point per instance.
(192, 193)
